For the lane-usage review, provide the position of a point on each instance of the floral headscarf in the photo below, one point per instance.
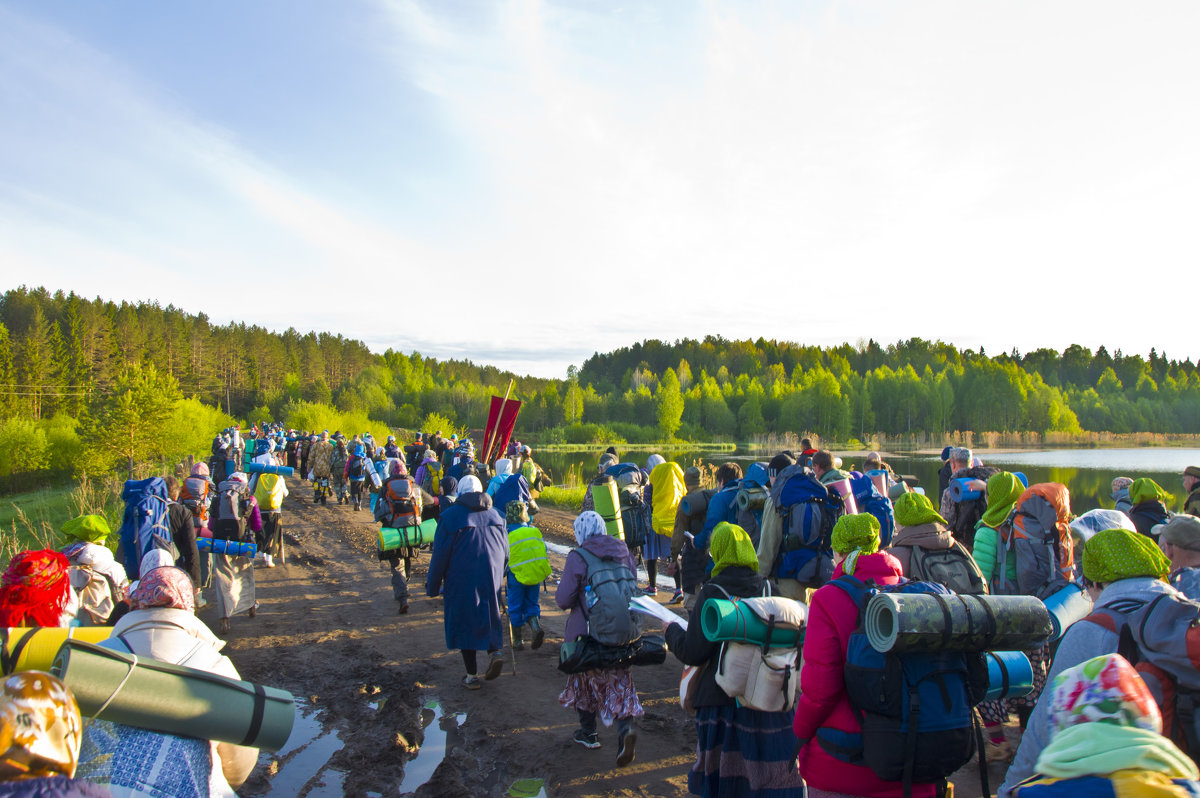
(1115, 554)
(40, 727)
(1104, 689)
(1003, 490)
(34, 590)
(589, 524)
(854, 535)
(1147, 490)
(914, 509)
(730, 546)
(164, 587)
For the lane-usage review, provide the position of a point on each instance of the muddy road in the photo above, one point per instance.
(382, 710)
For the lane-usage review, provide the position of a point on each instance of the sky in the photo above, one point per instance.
(526, 182)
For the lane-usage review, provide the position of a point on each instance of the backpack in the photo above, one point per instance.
(809, 511)
(269, 492)
(145, 525)
(1037, 534)
(918, 723)
(751, 498)
(231, 506)
(193, 494)
(964, 516)
(668, 490)
(760, 677)
(869, 500)
(401, 495)
(1161, 639)
(515, 488)
(953, 568)
(610, 585)
(432, 481)
(357, 468)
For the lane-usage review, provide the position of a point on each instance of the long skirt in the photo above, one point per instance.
(657, 547)
(745, 753)
(234, 578)
(137, 763)
(609, 693)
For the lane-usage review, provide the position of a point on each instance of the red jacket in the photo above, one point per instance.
(823, 705)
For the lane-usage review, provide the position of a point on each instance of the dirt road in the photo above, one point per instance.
(368, 680)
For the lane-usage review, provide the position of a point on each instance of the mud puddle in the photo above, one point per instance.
(441, 731)
(304, 756)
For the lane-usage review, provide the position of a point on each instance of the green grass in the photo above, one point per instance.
(567, 498)
(31, 520)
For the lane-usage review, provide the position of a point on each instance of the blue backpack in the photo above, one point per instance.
(869, 500)
(752, 495)
(515, 488)
(918, 723)
(808, 511)
(145, 525)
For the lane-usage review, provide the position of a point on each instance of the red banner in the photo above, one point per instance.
(500, 426)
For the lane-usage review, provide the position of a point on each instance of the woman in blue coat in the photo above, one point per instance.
(469, 551)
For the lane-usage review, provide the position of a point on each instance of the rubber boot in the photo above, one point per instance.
(518, 633)
(539, 634)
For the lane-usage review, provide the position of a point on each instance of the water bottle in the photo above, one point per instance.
(589, 597)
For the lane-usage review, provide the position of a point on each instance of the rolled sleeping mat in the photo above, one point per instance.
(694, 504)
(843, 489)
(395, 537)
(230, 548)
(967, 490)
(230, 468)
(1020, 475)
(174, 699)
(32, 648)
(1010, 675)
(960, 622)
(898, 490)
(608, 504)
(376, 480)
(1067, 606)
(722, 620)
(751, 499)
(879, 478)
(265, 468)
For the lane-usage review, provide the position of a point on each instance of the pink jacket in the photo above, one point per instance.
(823, 709)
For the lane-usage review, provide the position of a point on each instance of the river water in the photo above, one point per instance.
(1088, 473)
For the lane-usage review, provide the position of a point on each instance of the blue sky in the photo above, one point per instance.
(527, 182)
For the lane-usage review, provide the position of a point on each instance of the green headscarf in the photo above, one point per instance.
(92, 528)
(914, 509)
(1147, 490)
(1003, 490)
(1120, 554)
(729, 546)
(854, 535)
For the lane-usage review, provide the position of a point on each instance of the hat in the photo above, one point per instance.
(692, 476)
(1192, 471)
(516, 512)
(946, 453)
(779, 462)
(1115, 554)
(1182, 531)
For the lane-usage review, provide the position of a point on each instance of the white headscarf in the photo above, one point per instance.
(503, 467)
(155, 558)
(654, 460)
(588, 524)
(469, 484)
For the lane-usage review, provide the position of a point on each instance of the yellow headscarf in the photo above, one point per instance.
(1147, 490)
(1003, 490)
(730, 545)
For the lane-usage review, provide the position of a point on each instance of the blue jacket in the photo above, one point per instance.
(470, 547)
(721, 507)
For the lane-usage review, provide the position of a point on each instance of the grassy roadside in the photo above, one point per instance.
(31, 520)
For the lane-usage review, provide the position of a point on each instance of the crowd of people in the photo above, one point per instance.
(1110, 707)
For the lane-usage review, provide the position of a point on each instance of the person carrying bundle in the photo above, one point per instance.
(97, 576)
(270, 492)
(320, 457)
(528, 569)
(399, 506)
(233, 511)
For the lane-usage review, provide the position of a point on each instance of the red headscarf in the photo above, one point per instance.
(35, 590)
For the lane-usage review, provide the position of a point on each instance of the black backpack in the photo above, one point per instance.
(357, 469)
(954, 568)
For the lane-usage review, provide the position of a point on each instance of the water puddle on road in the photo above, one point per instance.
(527, 788)
(440, 730)
(307, 752)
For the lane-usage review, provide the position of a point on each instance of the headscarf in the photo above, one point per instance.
(730, 546)
(1115, 554)
(397, 468)
(34, 590)
(448, 486)
(516, 512)
(503, 467)
(1093, 521)
(1121, 483)
(854, 535)
(1145, 489)
(914, 509)
(164, 587)
(589, 524)
(155, 558)
(1003, 490)
(40, 727)
(653, 460)
(469, 484)
(92, 528)
(200, 470)
(1105, 689)
(607, 459)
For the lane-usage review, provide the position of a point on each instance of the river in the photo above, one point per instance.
(1087, 472)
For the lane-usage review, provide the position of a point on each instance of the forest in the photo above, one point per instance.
(95, 386)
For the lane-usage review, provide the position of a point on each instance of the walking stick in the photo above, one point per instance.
(511, 634)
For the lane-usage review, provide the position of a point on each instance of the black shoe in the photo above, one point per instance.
(494, 667)
(625, 755)
(587, 739)
(539, 634)
(403, 608)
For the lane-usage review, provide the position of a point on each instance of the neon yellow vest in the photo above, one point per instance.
(527, 555)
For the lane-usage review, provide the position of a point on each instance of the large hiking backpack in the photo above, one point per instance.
(230, 523)
(762, 676)
(431, 480)
(269, 491)
(1161, 639)
(635, 514)
(1037, 534)
(869, 500)
(611, 584)
(145, 525)
(751, 497)
(403, 500)
(918, 724)
(954, 568)
(357, 469)
(964, 516)
(515, 488)
(193, 494)
(666, 481)
(808, 512)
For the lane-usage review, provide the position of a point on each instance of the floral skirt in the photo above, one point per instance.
(745, 753)
(608, 693)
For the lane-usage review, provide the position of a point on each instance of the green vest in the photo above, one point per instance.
(527, 555)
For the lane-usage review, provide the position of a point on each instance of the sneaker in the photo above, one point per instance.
(472, 682)
(650, 591)
(628, 743)
(201, 602)
(587, 739)
(494, 667)
(677, 598)
(268, 561)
